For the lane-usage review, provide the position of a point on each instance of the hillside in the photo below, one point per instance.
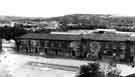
(90, 21)
(82, 20)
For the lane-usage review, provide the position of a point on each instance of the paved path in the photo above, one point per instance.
(60, 61)
(54, 66)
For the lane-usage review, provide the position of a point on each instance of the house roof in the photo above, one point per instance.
(50, 36)
(107, 36)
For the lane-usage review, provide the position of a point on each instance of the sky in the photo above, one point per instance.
(54, 8)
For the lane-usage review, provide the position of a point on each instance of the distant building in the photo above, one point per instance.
(52, 25)
(71, 24)
(4, 24)
(12, 24)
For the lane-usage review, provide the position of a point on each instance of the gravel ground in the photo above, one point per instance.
(13, 65)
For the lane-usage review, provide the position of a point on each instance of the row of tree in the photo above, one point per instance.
(8, 32)
(95, 70)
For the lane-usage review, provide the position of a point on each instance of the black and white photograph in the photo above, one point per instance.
(67, 38)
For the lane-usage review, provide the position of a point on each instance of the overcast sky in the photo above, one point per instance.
(50, 8)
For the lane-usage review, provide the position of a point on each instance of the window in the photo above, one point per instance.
(59, 44)
(64, 44)
(132, 50)
(52, 44)
(38, 43)
(33, 43)
(122, 47)
(42, 43)
(46, 43)
(24, 43)
(109, 48)
(74, 44)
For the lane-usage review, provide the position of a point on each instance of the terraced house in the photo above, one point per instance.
(93, 45)
(61, 45)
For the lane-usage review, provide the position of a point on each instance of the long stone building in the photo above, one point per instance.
(119, 46)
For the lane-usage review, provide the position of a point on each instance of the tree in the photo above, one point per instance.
(8, 32)
(18, 31)
(90, 70)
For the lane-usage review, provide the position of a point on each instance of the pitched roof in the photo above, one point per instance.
(50, 36)
(107, 36)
